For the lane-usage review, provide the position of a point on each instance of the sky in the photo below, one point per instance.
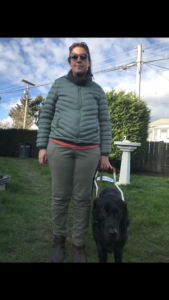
(43, 60)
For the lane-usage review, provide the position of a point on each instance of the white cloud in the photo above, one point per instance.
(106, 89)
(7, 120)
(155, 93)
(10, 104)
(43, 60)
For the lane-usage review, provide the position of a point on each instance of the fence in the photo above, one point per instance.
(156, 158)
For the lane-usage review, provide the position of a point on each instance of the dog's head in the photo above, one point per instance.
(110, 214)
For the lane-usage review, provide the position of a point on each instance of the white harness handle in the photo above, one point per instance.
(105, 178)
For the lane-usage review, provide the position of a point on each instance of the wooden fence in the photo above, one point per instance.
(156, 158)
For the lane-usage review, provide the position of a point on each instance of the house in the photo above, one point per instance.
(159, 130)
(33, 126)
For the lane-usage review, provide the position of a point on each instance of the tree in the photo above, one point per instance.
(129, 117)
(36, 107)
(5, 125)
(33, 111)
(17, 113)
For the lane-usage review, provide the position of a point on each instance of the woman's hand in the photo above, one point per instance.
(104, 163)
(43, 157)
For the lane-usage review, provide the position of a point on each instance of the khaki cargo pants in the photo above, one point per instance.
(72, 174)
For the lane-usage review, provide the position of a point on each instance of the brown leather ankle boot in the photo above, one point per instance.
(79, 253)
(58, 249)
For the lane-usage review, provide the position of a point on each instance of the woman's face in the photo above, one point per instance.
(79, 66)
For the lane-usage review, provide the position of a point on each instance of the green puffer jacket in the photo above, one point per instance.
(77, 114)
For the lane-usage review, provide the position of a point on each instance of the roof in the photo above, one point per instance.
(32, 124)
(164, 121)
(162, 127)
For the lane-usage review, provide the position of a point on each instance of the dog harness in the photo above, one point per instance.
(105, 178)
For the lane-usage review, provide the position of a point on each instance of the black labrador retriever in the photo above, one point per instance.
(110, 224)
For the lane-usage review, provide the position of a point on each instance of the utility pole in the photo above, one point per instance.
(26, 92)
(138, 80)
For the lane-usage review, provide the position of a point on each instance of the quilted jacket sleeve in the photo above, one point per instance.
(105, 126)
(46, 118)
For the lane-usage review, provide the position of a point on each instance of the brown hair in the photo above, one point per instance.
(83, 45)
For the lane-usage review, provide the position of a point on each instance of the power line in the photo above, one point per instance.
(21, 95)
(161, 74)
(160, 66)
(12, 100)
(115, 68)
(125, 59)
(165, 76)
(115, 61)
(10, 88)
(102, 71)
(126, 66)
(155, 51)
(112, 56)
(157, 71)
(1, 87)
(12, 93)
(128, 51)
(144, 62)
(155, 54)
(32, 87)
(132, 57)
(125, 53)
(157, 44)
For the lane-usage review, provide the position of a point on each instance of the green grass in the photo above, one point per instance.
(26, 225)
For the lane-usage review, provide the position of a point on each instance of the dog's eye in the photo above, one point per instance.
(117, 213)
(103, 213)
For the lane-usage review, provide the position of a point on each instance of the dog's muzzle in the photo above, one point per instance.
(112, 232)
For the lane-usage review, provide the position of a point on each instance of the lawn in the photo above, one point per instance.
(26, 225)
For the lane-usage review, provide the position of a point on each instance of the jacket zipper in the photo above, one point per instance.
(80, 106)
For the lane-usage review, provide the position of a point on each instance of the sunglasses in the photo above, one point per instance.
(83, 56)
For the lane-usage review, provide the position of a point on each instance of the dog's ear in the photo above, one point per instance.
(95, 203)
(94, 207)
(125, 220)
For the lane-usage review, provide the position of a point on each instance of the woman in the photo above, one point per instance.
(74, 135)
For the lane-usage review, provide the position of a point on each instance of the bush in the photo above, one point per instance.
(10, 139)
(129, 117)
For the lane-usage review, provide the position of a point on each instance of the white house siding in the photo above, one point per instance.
(159, 133)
